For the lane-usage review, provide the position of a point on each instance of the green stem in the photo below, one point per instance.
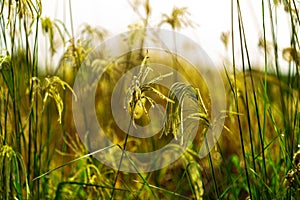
(121, 160)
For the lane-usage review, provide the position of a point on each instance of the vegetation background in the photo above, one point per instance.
(42, 157)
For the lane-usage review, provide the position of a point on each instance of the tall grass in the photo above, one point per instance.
(42, 157)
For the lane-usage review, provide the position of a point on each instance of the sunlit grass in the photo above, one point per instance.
(42, 157)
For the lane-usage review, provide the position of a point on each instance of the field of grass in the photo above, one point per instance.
(43, 157)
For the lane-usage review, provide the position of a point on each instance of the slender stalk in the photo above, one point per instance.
(212, 171)
(236, 102)
(242, 32)
(121, 159)
(14, 87)
(278, 72)
(35, 117)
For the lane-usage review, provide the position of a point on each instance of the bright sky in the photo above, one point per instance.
(213, 18)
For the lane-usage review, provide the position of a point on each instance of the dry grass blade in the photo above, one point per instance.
(11, 163)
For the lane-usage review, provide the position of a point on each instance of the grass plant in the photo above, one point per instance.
(42, 157)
